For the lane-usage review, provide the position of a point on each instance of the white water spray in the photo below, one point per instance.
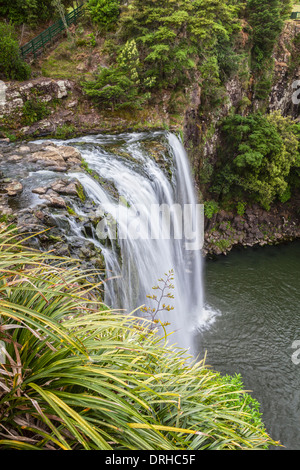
(136, 260)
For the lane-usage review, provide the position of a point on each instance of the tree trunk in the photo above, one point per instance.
(60, 8)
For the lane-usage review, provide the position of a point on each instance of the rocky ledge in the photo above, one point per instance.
(38, 194)
(256, 226)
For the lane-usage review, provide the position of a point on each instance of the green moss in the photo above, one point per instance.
(80, 192)
(91, 172)
(223, 244)
(54, 238)
(6, 218)
(71, 211)
(66, 131)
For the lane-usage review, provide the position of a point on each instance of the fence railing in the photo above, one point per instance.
(34, 46)
(296, 15)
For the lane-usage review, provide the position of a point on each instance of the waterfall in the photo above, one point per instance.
(139, 245)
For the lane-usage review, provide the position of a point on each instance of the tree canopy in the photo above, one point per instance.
(12, 65)
(28, 11)
(257, 156)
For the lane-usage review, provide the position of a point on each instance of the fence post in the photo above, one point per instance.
(31, 47)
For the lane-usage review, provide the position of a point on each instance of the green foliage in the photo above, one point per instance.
(31, 12)
(267, 20)
(263, 86)
(229, 60)
(251, 404)
(7, 134)
(92, 40)
(286, 195)
(223, 244)
(212, 92)
(79, 376)
(240, 207)
(104, 13)
(257, 157)
(112, 88)
(65, 131)
(120, 86)
(173, 36)
(34, 110)
(211, 208)
(165, 44)
(12, 67)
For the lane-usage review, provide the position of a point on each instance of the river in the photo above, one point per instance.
(255, 296)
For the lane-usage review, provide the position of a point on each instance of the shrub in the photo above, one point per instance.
(28, 11)
(121, 86)
(240, 208)
(66, 131)
(174, 37)
(104, 12)
(267, 21)
(211, 208)
(78, 376)
(12, 67)
(112, 88)
(257, 156)
(34, 110)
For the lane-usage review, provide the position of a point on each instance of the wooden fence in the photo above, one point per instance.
(296, 15)
(33, 47)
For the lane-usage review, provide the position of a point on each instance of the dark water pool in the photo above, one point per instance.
(256, 293)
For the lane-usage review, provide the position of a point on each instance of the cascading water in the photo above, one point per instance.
(143, 247)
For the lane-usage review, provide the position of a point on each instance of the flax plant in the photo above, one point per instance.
(76, 375)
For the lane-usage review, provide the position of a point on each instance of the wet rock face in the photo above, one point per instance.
(12, 188)
(39, 196)
(56, 158)
(21, 167)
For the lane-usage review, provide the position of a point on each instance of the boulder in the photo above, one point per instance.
(40, 190)
(14, 158)
(24, 149)
(57, 158)
(13, 188)
(65, 187)
(48, 157)
(54, 201)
